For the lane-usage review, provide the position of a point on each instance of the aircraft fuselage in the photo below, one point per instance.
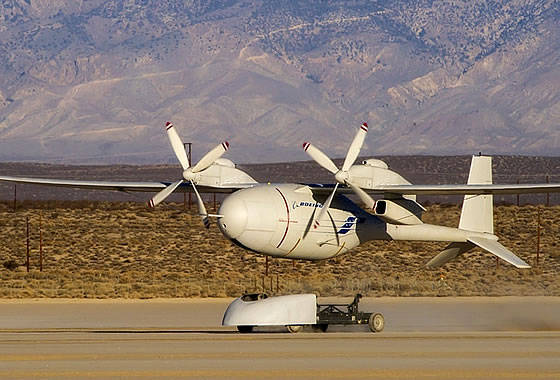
(277, 220)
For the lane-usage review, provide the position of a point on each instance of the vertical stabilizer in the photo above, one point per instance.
(478, 210)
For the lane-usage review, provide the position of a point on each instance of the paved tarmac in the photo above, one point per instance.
(425, 338)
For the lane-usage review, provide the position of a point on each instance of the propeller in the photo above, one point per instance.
(341, 175)
(189, 173)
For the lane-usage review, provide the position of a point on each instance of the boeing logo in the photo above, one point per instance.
(297, 204)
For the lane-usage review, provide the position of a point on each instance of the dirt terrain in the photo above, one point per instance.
(115, 249)
(424, 338)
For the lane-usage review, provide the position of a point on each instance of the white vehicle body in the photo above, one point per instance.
(289, 310)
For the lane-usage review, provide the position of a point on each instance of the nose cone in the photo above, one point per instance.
(234, 220)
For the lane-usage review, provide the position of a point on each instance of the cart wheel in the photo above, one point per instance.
(294, 329)
(245, 329)
(376, 322)
(320, 326)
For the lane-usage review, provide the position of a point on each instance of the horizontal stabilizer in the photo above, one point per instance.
(449, 253)
(499, 250)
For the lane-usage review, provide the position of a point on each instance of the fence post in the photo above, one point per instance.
(547, 194)
(518, 195)
(27, 242)
(15, 198)
(266, 266)
(188, 148)
(538, 234)
(40, 241)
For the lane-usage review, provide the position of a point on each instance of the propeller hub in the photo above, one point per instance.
(341, 176)
(188, 175)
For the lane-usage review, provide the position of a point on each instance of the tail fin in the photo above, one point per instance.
(449, 253)
(478, 210)
(477, 215)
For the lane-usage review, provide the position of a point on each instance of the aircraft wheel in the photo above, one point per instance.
(376, 322)
(245, 329)
(294, 329)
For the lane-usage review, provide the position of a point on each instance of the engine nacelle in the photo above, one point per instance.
(401, 211)
(223, 173)
(375, 163)
(373, 173)
(224, 162)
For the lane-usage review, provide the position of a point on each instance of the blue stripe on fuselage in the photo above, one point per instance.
(347, 226)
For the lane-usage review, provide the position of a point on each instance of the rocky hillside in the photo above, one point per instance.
(94, 81)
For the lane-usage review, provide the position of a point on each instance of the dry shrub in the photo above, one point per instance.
(10, 264)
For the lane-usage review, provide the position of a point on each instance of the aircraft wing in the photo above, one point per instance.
(122, 186)
(469, 189)
(388, 190)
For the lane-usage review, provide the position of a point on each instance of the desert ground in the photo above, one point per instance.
(125, 250)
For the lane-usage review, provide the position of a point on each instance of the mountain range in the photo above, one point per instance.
(94, 81)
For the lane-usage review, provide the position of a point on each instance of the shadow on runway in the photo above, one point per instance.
(217, 332)
(141, 331)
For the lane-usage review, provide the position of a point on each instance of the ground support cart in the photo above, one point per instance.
(347, 314)
(295, 312)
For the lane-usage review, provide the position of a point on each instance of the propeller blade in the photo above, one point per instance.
(366, 199)
(160, 197)
(325, 208)
(320, 157)
(201, 209)
(355, 147)
(209, 158)
(177, 145)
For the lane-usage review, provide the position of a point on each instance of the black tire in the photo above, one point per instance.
(245, 329)
(376, 322)
(320, 327)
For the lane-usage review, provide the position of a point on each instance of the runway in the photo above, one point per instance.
(471, 338)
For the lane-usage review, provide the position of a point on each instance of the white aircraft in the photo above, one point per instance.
(315, 222)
